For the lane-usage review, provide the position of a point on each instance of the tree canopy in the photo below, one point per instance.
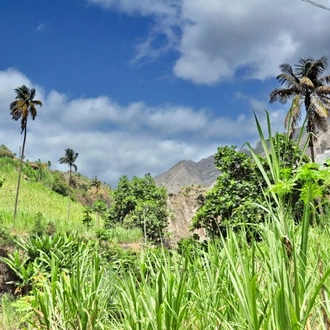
(140, 203)
(239, 188)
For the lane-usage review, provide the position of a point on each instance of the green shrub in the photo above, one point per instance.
(59, 184)
(5, 152)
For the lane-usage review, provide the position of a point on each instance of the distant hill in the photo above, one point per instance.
(187, 173)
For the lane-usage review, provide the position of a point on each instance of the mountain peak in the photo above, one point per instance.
(188, 172)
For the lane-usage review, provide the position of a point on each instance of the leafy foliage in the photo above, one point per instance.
(240, 187)
(140, 204)
(35, 259)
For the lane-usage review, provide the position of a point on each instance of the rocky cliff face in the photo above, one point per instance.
(183, 206)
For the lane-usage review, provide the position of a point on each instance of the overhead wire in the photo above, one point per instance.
(317, 4)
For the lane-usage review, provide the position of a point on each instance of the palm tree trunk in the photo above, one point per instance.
(19, 174)
(311, 140)
(69, 195)
(310, 126)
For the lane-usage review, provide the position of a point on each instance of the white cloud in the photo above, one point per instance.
(216, 38)
(115, 140)
(42, 27)
(142, 7)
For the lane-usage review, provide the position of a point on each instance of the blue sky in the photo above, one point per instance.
(136, 86)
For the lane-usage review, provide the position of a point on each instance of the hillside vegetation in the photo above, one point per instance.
(43, 194)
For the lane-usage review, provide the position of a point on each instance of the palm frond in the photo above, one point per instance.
(16, 109)
(287, 80)
(321, 122)
(287, 69)
(22, 93)
(325, 79)
(314, 68)
(305, 81)
(322, 90)
(287, 76)
(302, 67)
(282, 94)
(318, 107)
(33, 111)
(32, 94)
(325, 100)
(293, 116)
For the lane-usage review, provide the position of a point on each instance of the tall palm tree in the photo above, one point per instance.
(97, 184)
(306, 86)
(69, 158)
(20, 109)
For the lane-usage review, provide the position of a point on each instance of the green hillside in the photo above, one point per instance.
(43, 196)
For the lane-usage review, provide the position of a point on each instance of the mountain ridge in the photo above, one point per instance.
(187, 173)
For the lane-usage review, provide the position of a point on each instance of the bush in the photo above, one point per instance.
(5, 152)
(59, 184)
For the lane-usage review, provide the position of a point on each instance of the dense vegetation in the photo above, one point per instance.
(241, 185)
(264, 265)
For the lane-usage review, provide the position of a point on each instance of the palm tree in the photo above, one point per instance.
(97, 184)
(69, 158)
(305, 86)
(20, 109)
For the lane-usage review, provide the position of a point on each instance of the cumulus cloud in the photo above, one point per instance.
(216, 38)
(120, 139)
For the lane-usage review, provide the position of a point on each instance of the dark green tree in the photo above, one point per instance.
(240, 185)
(140, 203)
(21, 108)
(69, 158)
(305, 85)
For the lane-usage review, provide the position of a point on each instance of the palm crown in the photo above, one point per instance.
(24, 105)
(306, 86)
(69, 158)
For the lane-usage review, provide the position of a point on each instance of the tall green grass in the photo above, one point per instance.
(231, 284)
